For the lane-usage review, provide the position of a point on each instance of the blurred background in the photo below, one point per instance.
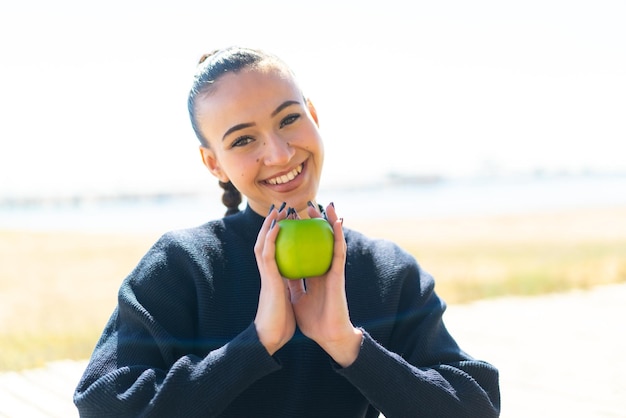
(485, 137)
(474, 100)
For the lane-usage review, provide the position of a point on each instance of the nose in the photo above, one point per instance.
(277, 150)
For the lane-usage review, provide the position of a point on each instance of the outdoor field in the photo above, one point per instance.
(57, 289)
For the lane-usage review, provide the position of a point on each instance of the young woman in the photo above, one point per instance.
(206, 326)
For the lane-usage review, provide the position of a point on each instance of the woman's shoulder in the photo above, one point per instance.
(377, 248)
(178, 250)
(385, 262)
(176, 245)
(237, 229)
(209, 230)
(188, 238)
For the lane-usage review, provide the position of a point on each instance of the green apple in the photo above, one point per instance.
(304, 247)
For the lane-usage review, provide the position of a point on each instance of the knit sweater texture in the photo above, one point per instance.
(182, 343)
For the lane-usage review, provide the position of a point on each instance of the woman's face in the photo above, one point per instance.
(263, 137)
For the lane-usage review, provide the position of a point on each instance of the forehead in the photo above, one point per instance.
(264, 78)
(244, 97)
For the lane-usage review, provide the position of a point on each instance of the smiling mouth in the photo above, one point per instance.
(286, 178)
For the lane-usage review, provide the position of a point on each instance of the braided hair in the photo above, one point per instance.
(211, 67)
(231, 198)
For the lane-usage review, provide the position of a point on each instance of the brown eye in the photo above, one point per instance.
(289, 119)
(241, 141)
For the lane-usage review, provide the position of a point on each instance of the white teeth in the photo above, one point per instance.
(286, 177)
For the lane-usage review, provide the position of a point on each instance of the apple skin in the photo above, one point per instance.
(304, 247)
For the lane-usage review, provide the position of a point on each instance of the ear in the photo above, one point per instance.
(210, 161)
(312, 110)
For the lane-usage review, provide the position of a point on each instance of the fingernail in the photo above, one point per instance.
(341, 221)
(271, 209)
(272, 224)
(332, 204)
(310, 204)
(282, 207)
(290, 211)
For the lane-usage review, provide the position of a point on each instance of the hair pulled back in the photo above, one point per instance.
(211, 67)
(231, 198)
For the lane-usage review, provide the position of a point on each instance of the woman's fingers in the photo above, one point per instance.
(339, 252)
(265, 246)
(261, 237)
(296, 289)
(274, 320)
(313, 211)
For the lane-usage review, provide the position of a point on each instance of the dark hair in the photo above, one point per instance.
(231, 198)
(211, 67)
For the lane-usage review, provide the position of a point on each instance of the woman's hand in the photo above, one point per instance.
(274, 321)
(320, 304)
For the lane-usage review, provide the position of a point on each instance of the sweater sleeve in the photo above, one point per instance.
(420, 370)
(142, 364)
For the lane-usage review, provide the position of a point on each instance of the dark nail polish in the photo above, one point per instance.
(271, 209)
(332, 204)
(272, 224)
(282, 207)
(310, 204)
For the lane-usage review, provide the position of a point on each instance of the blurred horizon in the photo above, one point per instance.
(94, 96)
(398, 198)
(391, 179)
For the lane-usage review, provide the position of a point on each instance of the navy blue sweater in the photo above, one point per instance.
(182, 343)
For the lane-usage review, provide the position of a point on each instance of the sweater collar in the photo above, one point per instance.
(256, 221)
(253, 218)
(247, 222)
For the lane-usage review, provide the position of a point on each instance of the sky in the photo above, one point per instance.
(93, 96)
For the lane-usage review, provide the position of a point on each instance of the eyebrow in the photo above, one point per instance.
(237, 127)
(276, 111)
(284, 105)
